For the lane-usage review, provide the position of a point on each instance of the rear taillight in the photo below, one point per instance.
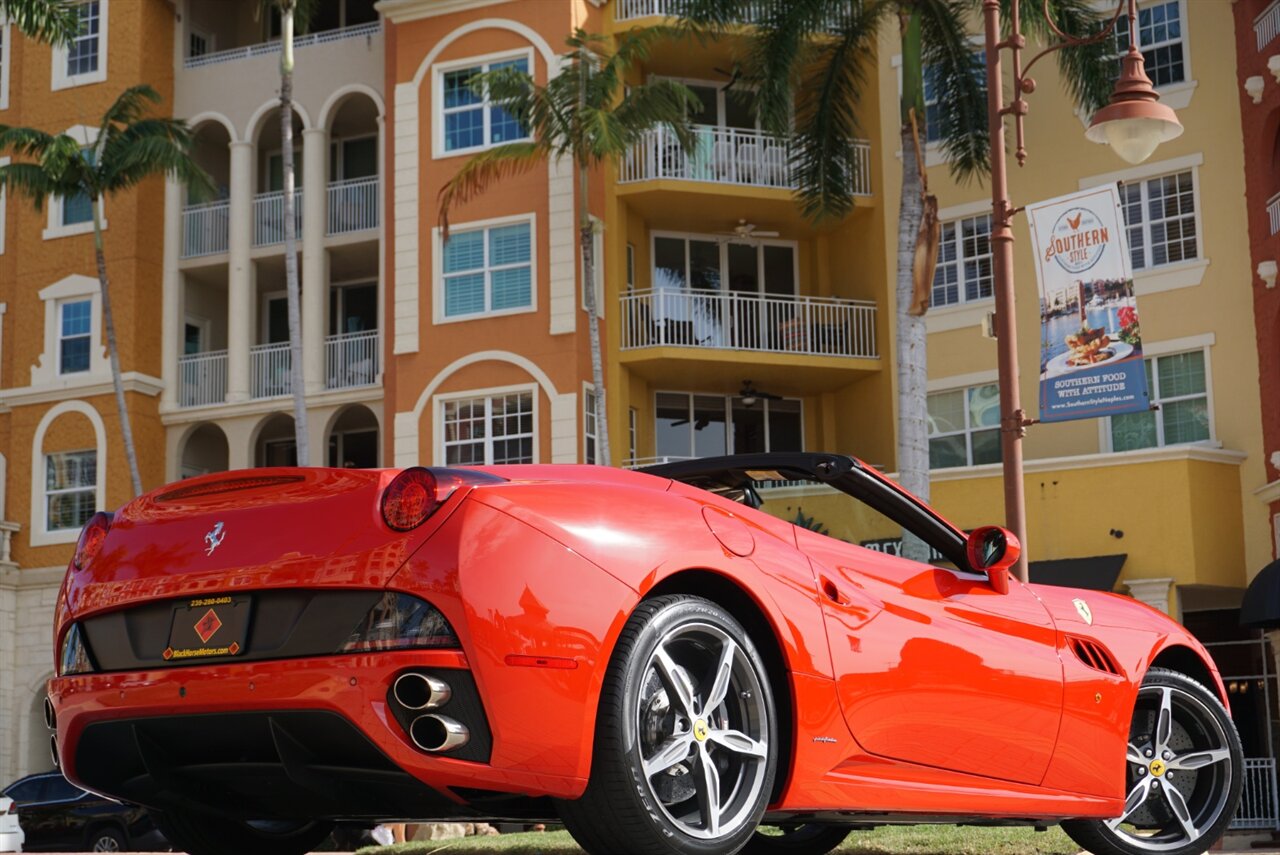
(410, 498)
(91, 538)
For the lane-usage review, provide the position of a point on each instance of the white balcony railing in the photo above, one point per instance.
(727, 156)
(1273, 213)
(1259, 806)
(351, 359)
(724, 320)
(205, 229)
(353, 205)
(268, 217)
(202, 378)
(754, 12)
(264, 48)
(640, 462)
(1267, 25)
(269, 370)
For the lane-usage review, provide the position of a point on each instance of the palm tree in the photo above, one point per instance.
(130, 147)
(588, 114)
(52, 21)
(809, 59)
(292, 13)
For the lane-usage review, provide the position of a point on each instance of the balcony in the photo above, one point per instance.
(1267, 25)
(720, 320)
(629, 10)
(273, 47)
(727, 156)
(202, 378)
(269, 375)
(353, 206)
(351, 360)
(1273, 212)
(205, 229)
(268, 217)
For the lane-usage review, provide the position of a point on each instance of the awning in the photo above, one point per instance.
(1097, 573)
(1261, 606)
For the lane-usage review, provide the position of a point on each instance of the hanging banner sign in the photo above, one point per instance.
(1090, 340)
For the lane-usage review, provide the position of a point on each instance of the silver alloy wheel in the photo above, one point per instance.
(703, 728)
(1179, 770)
(106, 843)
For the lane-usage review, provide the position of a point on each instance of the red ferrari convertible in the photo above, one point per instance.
(700, 658)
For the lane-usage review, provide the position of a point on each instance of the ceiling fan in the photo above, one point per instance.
(745, 231)
(732, 75)
(750, 395)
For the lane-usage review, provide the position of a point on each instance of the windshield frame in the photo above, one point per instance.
(847, 474)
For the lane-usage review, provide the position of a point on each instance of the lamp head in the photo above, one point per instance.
(1135, 121)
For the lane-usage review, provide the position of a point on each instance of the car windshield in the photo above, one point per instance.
(833, 495)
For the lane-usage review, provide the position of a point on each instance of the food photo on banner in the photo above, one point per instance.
(1090, 338)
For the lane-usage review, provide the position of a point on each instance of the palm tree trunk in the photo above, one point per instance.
(126, 431)
(587, 235)
(913, 439)
(291, 237)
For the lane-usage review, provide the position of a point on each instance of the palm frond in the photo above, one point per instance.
(130, 106)
(660, 102)
(823, 158)
(142, 155)
(959, 77)
(785, 45)
(1088, 71)
(25, 142)
(28, 179)
(54, 21)
(483, 170)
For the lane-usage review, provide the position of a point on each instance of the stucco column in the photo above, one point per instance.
(315, 267)
(1153, 592)
(240, 275)
(171, 311)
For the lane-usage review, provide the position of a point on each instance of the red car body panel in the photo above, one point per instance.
(913, 690)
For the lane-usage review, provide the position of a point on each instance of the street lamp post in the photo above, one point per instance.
(1133, 123)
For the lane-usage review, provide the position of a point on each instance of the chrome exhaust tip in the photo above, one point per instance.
(415, 691)
(50, 717)
(53, 751)
(437, 733)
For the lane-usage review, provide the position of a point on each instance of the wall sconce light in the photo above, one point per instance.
(1273, 65)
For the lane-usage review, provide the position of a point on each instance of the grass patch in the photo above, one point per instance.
(888, 840)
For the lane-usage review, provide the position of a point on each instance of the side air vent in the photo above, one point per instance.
(1093, 654)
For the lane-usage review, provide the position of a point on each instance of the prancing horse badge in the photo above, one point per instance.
(1086, 614)
(214, 538)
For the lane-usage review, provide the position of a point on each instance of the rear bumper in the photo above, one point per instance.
(11, 841)
(279, 731)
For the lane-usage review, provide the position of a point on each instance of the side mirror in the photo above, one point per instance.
(993, 550)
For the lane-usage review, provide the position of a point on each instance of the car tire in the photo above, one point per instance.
(106, 839)
(807, 839)
(685, 743)
(205, 834)
(1183, 774)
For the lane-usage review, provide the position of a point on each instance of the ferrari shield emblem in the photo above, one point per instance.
(1086, 614)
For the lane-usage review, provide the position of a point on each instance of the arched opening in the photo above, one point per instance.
(353, 439)
(276, 444)
(205, 215)
(205, 451)
(353, 165)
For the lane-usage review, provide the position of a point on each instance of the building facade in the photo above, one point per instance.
(731, 324)
(59, 429)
